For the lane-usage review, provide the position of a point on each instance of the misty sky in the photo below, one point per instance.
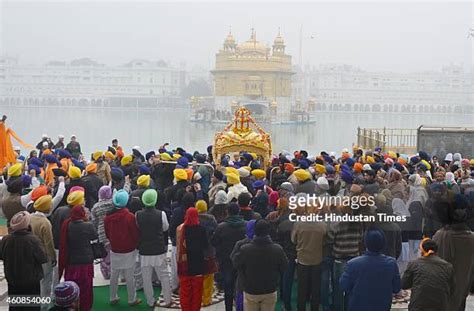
(396, 36)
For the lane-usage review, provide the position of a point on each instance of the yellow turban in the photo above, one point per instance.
(232, 178)
(165, 156)
(321, 169)
(471, 162)
(176, 156)
(392, 155)
(180, 174)
(302, 175)
(74, 172)
(75, 198)
(337, 167)
(259, 174)
(425, 163)
(126, 160)
(97, 155)
(15, 170)
(109, 155)
(231, 170)
(201, 206)
(254, 155)
(143, 180)
(44, 203)
(370, 160)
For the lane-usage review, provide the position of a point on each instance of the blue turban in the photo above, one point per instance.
(144, 170)
(36, 161)
(330, 169)
(188, 156)
(304, 164)
(374, 240)
(34, 167)
(254, 165)
(78, 164)
(414, 160)
(116, 173)
(258, 184)
(350, 162)
(183, 162)
(424, 155)
(347, 176)
(64, 153)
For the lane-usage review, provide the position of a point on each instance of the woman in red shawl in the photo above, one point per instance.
(191, 243)
(75, 254)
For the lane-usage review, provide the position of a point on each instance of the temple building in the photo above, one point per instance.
(251, 75)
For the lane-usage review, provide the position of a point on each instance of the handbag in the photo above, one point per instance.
(98, 249)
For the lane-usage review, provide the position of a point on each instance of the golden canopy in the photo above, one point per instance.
(243, 134)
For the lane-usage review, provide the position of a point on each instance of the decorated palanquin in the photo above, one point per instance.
(243, 134)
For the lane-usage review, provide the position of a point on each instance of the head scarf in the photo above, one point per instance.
(191, 218)
(221, 197)
(105, 193)
(66, 293)
(20, 221)
(77, 213)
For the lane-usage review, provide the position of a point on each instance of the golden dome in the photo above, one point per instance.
(279, 40)
(229, 39)
(252, 46)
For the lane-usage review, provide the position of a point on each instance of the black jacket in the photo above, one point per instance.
(23, 254)
(59, 215)
(260, 276)
(92, 184)
(227, 233)
(283, 236)
(79, 237)
(135, 203)
(162, 174)
(150, 227)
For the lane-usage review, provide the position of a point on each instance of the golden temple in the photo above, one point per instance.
(252, 75)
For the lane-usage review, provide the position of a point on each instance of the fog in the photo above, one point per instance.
(394, 36)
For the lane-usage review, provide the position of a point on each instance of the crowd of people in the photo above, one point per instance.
(229, 227)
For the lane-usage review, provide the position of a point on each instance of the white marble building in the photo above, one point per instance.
(346, 88)
(86, 83)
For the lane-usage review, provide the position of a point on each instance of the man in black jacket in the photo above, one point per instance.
(227, 234)
(152, 224)
(92, 184)
(260, 277)
(23, 254)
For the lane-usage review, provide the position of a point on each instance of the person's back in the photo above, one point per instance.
(370, 280)
(456, 246)
(121, 230)
(80, 235)
(430, 278)
(57, 219)
(150, 226)
(308, 238)
(23, 254)
(261, 276)
(227, 233)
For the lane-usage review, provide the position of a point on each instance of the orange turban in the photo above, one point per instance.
(91, 168)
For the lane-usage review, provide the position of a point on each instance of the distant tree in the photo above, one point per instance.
(196, 87)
